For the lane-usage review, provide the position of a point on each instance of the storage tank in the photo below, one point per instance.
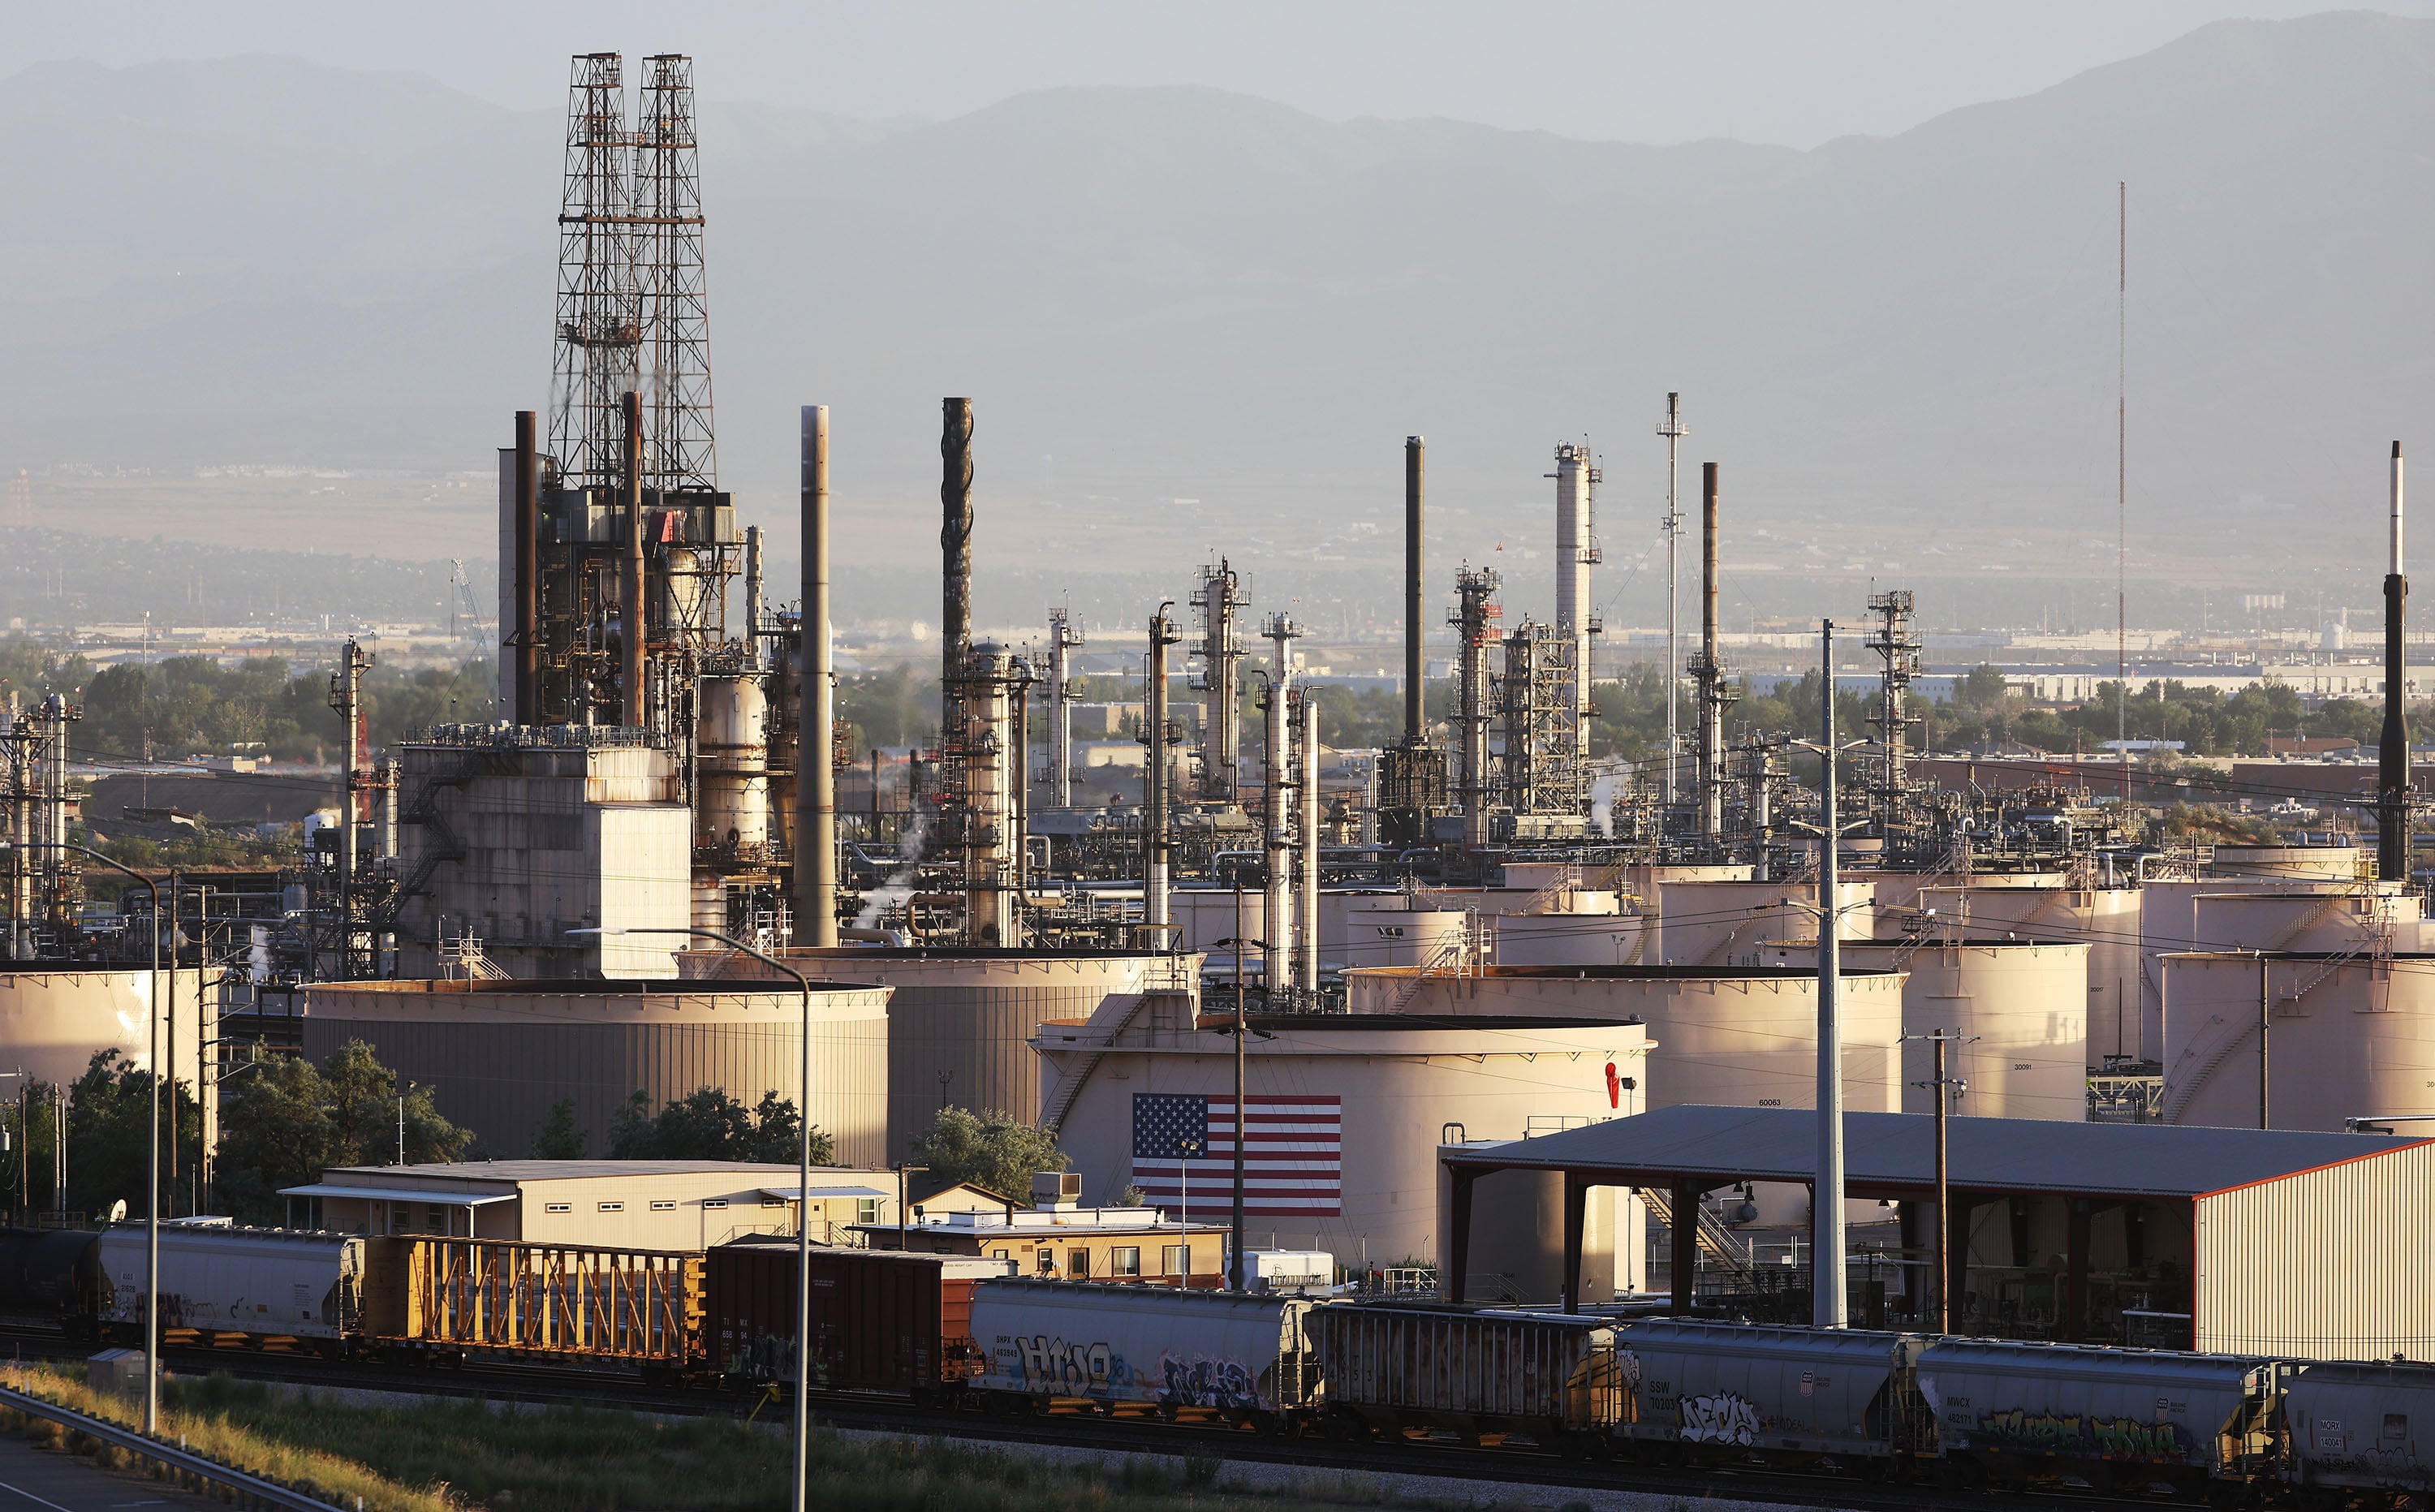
(497, 1054)
(2169, 922)
(1642, 885)
(1724, 923)
(52, 1023)
(2350, 1035)
(2355, 917)
(2347, 863)
(2021, 1006)
(1898, 891)
(1738, 1036)
(1387, 929)
(1571, 939)
(1346, 1114)
(960, 1024)
(2104, 919)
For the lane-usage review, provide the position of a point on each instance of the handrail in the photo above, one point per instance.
(264, 1491)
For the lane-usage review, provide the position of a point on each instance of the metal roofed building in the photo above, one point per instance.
(2233, 1240)
(629, 1204)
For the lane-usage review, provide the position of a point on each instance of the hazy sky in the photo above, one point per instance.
(1795, 72)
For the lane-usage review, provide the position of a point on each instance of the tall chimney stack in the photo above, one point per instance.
(1415, 702)
(816, 852)
(633, 610)
(956, 530)
(1710, 671)
(2393, 749)
(527, 570)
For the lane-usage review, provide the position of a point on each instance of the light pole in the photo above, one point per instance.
(1184, 1150)
(152, 1158)
(1242, 1028)
(802, 1193)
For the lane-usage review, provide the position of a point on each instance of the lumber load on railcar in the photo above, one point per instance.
(457, 1298)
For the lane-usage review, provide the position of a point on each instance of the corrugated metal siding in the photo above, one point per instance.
(500, 1079)
(2327, 1265)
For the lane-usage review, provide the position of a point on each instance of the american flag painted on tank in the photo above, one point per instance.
(1293, 1154)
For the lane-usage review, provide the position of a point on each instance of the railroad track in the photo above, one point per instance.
(560, 1386)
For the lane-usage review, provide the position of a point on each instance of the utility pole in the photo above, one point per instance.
(2265, 1033)
(1938, 1083)
(1672, 428)
(1826, 1301)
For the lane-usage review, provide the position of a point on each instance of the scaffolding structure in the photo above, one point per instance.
(1475, 620)
(1544, 776)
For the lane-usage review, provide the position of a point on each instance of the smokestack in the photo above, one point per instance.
(956, 530)
(630, 668)
(2393, 750)
(1154, 784)
(527, 571)
(1712, 724)
(816, 773)
(1415, 702)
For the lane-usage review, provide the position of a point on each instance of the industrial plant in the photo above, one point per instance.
(1814, 1025)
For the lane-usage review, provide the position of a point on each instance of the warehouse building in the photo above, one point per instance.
(499, 1055)
(2233, 1241)
(611, 1204)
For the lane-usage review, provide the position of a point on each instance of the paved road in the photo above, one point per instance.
(35, 1478)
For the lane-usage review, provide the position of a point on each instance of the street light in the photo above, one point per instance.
(802, 1193)
(153, 1161)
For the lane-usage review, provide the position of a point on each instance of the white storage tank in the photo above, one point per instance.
(2169, 924)
(1642, 886)
(1898, 891)
(497, 1054)
(53, 1023)
(2022, 1008)
(2348, 1036)
(960, 1023)
(2357, 918)
(1571, 939)
(733, 809)
(1346, 1114)
(2347, 863)
(1387, 929)
(2104, 919)
(1725, 923)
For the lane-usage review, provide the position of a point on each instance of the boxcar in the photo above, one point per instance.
(2361, 1427)
(234, 1285)
(2109, 1416)
(1726, 1388)
(460, 1299)
(882, 1319)
(1389, 1367)
(1243, 1356)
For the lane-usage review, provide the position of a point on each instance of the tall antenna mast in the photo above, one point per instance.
(1672, 428)
(2121, 484)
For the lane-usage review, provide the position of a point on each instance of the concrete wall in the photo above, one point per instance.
(2349, 1037)
(498, 1055)
(1404, 1085)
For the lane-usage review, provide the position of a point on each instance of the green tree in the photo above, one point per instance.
(110, 1119)
(283, 1121)
(991, 1149)
(559, 1138)
(708, 1125)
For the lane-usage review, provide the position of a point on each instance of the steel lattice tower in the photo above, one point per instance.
(671, 279)
(600, 316)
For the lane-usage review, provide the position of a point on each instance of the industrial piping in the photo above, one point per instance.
(1415, 699)
(1155, 771)
(527, 570)
(816, 852)
(631, 609)
(2393, 749)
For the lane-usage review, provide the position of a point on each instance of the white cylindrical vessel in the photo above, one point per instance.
(733, 806)
(2348, 1036)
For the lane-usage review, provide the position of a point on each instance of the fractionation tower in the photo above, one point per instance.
(1064, 641)
(1708, 672)
(1475, 620)
(1218, 600)
(1277, 810)
(1671, 525)
(1577, 552)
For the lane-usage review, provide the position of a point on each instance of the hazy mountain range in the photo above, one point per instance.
(1192, 320)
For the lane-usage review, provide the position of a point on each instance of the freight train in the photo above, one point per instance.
(947, 1331)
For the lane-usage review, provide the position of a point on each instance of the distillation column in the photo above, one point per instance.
(1576, 552)
(1062, 642)
(1475, 622)
(1156, 771)
(1216, 598)
(1276, 819)
(1709, 671)
(2393, 748)
(1306, 834)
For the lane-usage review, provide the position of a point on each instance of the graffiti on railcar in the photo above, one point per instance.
(2075, 1437)
(1722, 1419)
